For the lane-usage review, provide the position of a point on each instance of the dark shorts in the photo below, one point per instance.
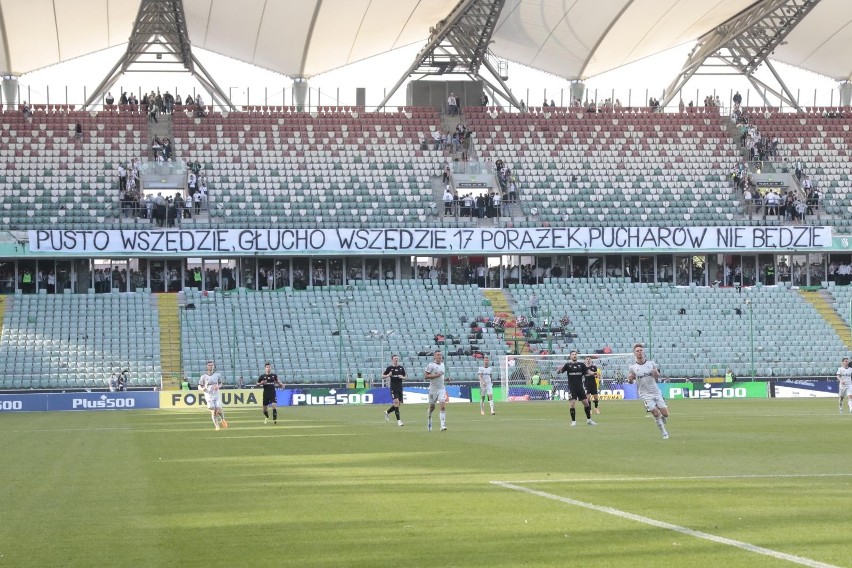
(396, 392)
(269, 398)
(577, 392)
(591, 386)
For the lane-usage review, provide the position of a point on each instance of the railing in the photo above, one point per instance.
(318, 97)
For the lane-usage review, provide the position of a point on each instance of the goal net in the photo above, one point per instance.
(534, 377)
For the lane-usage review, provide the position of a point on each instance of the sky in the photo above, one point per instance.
(71, 81)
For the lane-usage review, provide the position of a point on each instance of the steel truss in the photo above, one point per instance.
(744, 43)
(160, 29)
(458, 45)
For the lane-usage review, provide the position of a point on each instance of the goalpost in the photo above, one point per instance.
(534, 377)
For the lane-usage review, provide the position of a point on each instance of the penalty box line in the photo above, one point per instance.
(668, 526)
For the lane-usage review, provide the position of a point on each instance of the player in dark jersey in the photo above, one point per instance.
(396, 373)
(576, 372)
(269, 380)
(592, 383)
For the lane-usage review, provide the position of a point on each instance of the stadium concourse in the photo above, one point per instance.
(73, 318)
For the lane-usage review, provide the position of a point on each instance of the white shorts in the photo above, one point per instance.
(486, 388)
(214, 403)
(845, 390)
(652, 401)
(437, 397)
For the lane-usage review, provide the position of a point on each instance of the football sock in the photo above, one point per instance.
(443, 416)
(661, 425)
(391, 409)
(596, 403)
(266, 413)
(275, 414)
(396, 411)
(588, 410)
(215, 421)
(491, 402)
(573, 415)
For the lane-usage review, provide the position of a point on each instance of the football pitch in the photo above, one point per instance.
(752, 483)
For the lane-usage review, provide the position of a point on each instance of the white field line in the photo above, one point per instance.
(668, 526)
(681, 478)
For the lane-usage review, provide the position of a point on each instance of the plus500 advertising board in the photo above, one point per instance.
(689, 390)
(79, 401)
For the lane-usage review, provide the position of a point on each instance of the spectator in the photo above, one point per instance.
(168, 103)
(813, 200)
(109, 99)
(452, 109)
(196, 201)
(738, 99)
(122, 177)
(483, 100)
(192, 183)
(149, 208)
(78, 131)
(189, 101)
(27, 112)
(156, 146)
(448, 201)
(199, 106)
(523, 106)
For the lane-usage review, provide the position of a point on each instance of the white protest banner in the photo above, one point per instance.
(429, 241)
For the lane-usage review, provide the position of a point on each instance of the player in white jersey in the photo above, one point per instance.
(437, 391)
(486, 387)
(844, 386)
(646, 373)
(211, 383)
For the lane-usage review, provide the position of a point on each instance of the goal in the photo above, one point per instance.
(534, 377)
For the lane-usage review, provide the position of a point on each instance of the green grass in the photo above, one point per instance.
(340, 487)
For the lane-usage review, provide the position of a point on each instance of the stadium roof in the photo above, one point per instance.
(574, 39)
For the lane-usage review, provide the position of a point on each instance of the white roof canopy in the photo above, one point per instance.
(574, 39)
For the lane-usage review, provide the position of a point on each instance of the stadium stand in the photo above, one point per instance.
(297, 330)
(273, 166)
(51, 180)
(78, 340)
(712, 332)
(337, 166)
(613, 168)
(818, 138)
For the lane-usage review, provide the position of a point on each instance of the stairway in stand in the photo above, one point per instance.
(170, 340)
(501, 302)
(162, 128)
(823, 303)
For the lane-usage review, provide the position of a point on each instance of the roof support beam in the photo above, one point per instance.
(160, 24)
(458, 45)
(743, 44)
